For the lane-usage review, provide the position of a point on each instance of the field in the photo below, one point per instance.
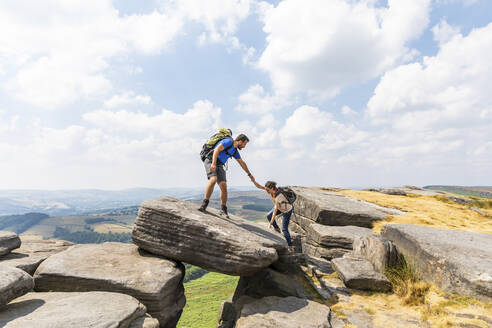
(433, 211)
(203, 299)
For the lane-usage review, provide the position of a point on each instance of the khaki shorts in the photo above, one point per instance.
(220, 173)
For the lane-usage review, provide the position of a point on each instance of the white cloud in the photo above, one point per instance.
(348, 112)
(203, 117)
(65, 47)
(443, 32)
(127, 98)
(450, 89)
(337, 43)
(219, 17)
(58, 52)
(257, 101)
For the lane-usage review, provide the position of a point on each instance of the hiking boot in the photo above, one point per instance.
(223, 212)
(203, 207)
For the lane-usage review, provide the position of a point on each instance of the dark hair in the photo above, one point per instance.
(271, 185)
(242, 137)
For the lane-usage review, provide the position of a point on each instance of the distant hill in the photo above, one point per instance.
(21, 223)
(72, 202)
(478, 191)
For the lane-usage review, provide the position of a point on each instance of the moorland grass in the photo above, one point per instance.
(203, 299)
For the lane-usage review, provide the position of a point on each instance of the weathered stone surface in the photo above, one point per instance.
(288, 312)
(336, 236)
(322, 252)
(74, 310)
(333, 209)
(359, 273)
(145, 322)
(270, 282)
(13, 283)
(8, 242)
(117, 267)
(177, 230)
(379, 251)
(33, 252)
(393, 191)
(459, 262)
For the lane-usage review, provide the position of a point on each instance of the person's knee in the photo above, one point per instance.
(212, 180)
(223, 185)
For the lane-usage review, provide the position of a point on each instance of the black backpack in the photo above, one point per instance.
(208, 146)
(288, 193)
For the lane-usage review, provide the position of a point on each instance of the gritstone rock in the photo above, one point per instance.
(8, 242)
(13, 283)
(117, 267)
(459, 262)
(176, 229)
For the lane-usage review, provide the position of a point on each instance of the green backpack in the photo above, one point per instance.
(208, 147)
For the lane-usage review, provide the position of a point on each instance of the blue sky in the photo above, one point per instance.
(118, 94)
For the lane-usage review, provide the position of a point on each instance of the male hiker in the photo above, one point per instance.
(214, 163)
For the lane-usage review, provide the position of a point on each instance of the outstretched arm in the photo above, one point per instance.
(245, 168)
(257, 185)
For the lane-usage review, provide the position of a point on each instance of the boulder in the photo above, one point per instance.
(74, 310)
(145, 322)
(359, 273)
(335, 236)
(329, 208)
(177, 230)
(329, 242)
(287, 312)
(117, 267)
(377, 250)
(8, 242)
(13, 283)
(393, 191)
(459, 262)
(32, 252)
(321, 252)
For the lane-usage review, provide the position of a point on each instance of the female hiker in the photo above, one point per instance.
(281, 206)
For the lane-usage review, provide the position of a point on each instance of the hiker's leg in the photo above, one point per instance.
(285, 227)
(269, 218)
(223, 192)
(210, 187)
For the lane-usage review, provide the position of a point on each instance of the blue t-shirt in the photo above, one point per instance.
(225, 155)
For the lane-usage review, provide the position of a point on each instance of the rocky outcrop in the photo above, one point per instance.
(330, 242)
(328, 208)
(177, 230)
(74, 310)
(379, 251)
(457, 261)
(116, 267)
(32, 252)
(13, 283)
(8, 242)
(288, 312)
(358, 273)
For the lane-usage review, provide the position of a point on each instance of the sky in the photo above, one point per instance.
(344, 93)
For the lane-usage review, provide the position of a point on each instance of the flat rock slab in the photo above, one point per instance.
(459, 262)
(32, 252)
(74, 310)
(8, 242)
(13, 283)
(117, 267)
(177, 230)
(329, 208)
(288, 312)
(322, 252)
(336, 236)
(359, 273)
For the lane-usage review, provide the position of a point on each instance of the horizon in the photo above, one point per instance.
(112, 94)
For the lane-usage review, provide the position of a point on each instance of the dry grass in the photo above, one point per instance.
(433, 211)
(411, 297)
(114, 228)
